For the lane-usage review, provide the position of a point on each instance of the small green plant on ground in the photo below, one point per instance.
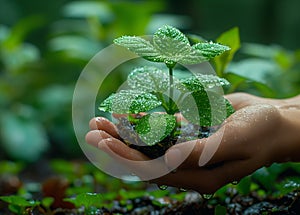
(195, 97)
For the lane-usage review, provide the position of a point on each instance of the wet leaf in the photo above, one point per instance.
(205, 108)
(154, 127)
(148, 79)
(287, 186)
(139, 46)
(130, 101)
(200, 82)
(171, 46)
(210, 50)
(86, 199)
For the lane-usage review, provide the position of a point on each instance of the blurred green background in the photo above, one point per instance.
(44, 45)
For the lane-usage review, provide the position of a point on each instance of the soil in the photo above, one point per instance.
(185, 132)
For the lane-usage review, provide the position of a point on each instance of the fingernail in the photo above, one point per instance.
(173, 158)
(99, 121)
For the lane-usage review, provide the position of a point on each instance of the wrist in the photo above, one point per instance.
(289, 135)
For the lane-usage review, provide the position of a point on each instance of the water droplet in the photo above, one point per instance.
(207, 196)
(234, 182)
(174, 171)
(162, 187)
(182, 190)
(209, 86)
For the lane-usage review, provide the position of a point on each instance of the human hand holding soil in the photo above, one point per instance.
(261, 132)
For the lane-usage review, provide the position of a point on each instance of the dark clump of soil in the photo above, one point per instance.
(185, 132)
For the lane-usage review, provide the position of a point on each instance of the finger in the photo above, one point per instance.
(233, 141)
(118, 149)
(206, 151)
(101, 123)
(95, 136)
(133, 160)
(105, 141)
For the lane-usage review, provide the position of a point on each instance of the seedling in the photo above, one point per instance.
(89, 201)
(195, 97)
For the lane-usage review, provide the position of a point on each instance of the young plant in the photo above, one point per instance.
(195, 97)
(89, 201)
(20, 205)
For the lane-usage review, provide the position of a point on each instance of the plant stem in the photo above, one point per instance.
(171, 80)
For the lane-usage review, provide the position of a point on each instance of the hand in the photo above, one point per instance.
(250, 138)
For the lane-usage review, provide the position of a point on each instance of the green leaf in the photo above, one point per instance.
(200, 82)
(173, 46)
(129, 101)
(205, 108)
(258, 70)
(88, 9)
(148, 79)
(200, 100)
(139, 46)
(210, 50)
(153, 128)
(230, 38)
(170, 46)
(229, 108)
(265, 178)
(47, 201)
(10, 167)
(86, 199)
(19, 200)
(220, 210)
(75, 46)
(31, 140)
(243, 187)
(288, 185)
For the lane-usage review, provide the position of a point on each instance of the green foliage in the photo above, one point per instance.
(170, 46)
(200, 82)
(148, 79)
(210, 50)
(86, 199)
(31, 135)
(9, 167)
(220, 210)
(154, 127)
(151, 87)
(130, 101)
(18, 204)
(230, 38)
(244, 186)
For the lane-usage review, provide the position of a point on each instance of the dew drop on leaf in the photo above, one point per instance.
(162, 187)
(234, 182)
(207, 196)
